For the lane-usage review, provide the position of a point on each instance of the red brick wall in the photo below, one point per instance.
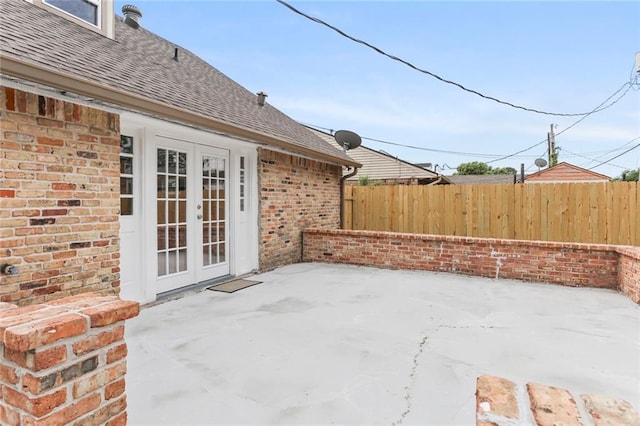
(561, 263)
(295, 193)
(64, 362)
(629, 272)
(59, 198)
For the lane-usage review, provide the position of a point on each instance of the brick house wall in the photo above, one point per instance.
(295, 193)
(59, 198)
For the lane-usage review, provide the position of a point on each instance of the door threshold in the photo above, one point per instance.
(179, 293)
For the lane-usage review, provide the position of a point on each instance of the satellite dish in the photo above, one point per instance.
(540, 162)
(347, 139)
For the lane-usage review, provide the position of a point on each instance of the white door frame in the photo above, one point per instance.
(243, 237)
(131, 246)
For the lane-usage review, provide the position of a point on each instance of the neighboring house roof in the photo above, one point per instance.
(565, 172)
(379, 165)
(137, 70)
(480, 179)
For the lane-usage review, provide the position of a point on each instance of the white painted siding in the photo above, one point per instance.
(377, 165)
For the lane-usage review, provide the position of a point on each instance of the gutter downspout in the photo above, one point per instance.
(342, 179)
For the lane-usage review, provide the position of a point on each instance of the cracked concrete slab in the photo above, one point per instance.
(323, 344)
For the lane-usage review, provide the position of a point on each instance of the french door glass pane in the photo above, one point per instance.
(171, 214)
(213, 203)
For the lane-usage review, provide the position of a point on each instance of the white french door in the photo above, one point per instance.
(192, 213)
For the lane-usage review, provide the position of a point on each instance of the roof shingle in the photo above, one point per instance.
(142, 63)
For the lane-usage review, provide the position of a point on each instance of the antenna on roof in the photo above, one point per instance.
(132, 15)
(347, 139)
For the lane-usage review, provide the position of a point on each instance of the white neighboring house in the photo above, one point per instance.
(385, 168)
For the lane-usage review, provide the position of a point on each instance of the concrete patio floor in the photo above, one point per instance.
(340, 344)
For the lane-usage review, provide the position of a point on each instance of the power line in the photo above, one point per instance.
(591, 160)
(424, 71)
(596, 109)
(600, 107)
(602, 154)
(518, 152)
(474, 154)
(441, 151)
(619, 155)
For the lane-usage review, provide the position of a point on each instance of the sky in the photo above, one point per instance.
(558, 57)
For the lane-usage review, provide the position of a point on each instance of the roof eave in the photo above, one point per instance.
(26, 70)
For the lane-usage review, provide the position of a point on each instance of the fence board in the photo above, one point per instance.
(348, 207)
(580, 212)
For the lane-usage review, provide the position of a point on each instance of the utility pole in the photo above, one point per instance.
(551, 142)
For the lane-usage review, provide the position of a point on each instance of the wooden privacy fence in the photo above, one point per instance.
(603, 213)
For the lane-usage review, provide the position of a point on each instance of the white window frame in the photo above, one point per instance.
(131, 175)
(97, 3)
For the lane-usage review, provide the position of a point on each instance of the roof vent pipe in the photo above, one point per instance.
(261, 98)
(132, 15)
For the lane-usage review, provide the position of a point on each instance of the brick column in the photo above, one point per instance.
(629, 271)
(64, 361)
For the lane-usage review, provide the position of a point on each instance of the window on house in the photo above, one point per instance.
(242, 184)
(87, 10)
(126, 175)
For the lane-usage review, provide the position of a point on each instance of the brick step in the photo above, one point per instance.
(500, 402)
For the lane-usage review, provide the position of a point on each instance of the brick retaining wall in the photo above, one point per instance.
(629, 272)
(573, 264)
(64, 361)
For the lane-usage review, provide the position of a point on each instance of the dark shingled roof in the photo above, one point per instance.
(480, 179)
(142, 63)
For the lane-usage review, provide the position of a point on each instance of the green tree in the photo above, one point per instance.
(480, 168)
(503, 171)
(629, 176)
(473, 168)
(554, 156)
(364, 180)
